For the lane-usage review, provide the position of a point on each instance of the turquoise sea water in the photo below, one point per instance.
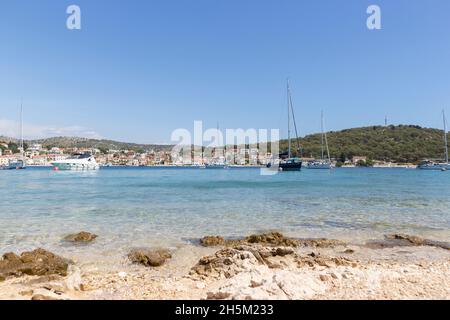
(130, 207)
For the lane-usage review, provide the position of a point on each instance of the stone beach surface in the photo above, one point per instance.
(261, 266)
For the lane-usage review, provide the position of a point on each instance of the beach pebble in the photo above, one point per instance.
(255, 284)
(335, 275)
(324, 277)
(42, 297)
(26, 293)
(217, 295)
(200, 285)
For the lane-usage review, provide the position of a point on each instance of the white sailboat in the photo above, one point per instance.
(322, 163)
(291, 163)
(218, 162)
(20, 163)
(438, 165)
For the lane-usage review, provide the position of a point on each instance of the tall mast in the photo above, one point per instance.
(326, 140)
(445, 136)
(321, 130)
(289, 118)
(21, 128)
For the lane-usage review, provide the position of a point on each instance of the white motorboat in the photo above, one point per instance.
(319, 164)
(77, 162)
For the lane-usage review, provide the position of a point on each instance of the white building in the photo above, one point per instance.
(35, 148)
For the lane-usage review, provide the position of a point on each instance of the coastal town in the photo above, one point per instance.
(39, 155)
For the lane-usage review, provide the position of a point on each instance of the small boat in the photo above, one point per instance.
(16, 165)
(322, 163)
(319, 164)
(77, 162)
(217, 162)
(291, 163)
(436, 164)
(215, 166)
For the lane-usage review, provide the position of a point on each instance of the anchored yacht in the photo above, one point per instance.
(322, 163)
(438, 165)
(289, 163)
(79, 162)
(19, 164)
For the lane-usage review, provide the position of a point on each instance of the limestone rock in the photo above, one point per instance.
(273, 238)
(231, 261)
(150, 258)
(82, 236)
(212, 241)
(35, 263)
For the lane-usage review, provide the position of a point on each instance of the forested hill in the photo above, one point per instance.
(102, 144)
(402, 143)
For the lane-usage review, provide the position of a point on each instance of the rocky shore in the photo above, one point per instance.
(261, 266)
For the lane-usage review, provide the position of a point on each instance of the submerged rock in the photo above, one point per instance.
(400, 239)
(212, 241)
(34, 263)
(150, 258)
(417, 241)
(82, 236)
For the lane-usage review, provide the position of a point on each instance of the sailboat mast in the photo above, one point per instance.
(326, 139)
(321, 130)
(21, 129)
(289, 118)
(445, 136)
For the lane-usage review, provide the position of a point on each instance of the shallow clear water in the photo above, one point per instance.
(131, 207)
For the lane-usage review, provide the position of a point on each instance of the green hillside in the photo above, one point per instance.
(104, 145)
(403, 143)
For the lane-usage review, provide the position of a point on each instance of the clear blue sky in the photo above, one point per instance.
(139, 69)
